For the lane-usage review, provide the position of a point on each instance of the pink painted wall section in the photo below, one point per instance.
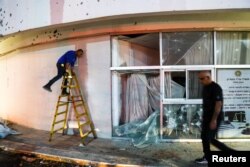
(24, 72)
(20, 15)
(56, 10)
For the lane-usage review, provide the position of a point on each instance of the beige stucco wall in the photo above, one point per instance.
(24, 72)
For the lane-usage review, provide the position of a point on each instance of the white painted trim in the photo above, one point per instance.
(135, 68)
(184, 67)
(182, 101)
(162, 89)
(232, 66)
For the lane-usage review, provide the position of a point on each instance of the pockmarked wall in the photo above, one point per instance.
(25, 71)
(20, 15)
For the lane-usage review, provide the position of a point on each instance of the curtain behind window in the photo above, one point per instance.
(233, 48)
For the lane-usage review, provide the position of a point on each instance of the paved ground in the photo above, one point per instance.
(104, 152)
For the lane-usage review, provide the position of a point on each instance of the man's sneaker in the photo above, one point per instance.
(47, 88)
(202, 160)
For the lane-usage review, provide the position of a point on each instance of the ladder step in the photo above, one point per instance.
(86, 134)
(63, 95)
(58, 130)
(60, 113)
(66, 77)
(62, 104)
(79, 115)
(79, 105)
(75, 96)
(57, 122)
(69, 86)
(85, 123)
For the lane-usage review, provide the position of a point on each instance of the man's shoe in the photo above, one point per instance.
(47, 88)
(202, 160)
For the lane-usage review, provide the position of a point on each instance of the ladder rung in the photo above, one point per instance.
(63, 95)
(65, 86)
(78, 105)
(85, 123)
(76, 96)
(69, 86)
(75, 101)
(58, 130)
(62, 104)
(79, 115)
(57, 122)
(86, 134)
(64, 112)
(66, 77)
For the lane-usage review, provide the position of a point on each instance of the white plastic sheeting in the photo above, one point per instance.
(5, 131)
(137, 98)
(141, 132)
(143, 112)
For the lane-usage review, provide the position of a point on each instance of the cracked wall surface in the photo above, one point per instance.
(24, 72)
(179, 22)
(21, 15)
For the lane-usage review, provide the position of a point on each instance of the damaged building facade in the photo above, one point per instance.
(139, 71)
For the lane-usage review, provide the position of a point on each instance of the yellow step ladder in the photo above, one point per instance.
(81, 111)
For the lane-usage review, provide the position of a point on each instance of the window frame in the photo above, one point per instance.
(168, 68)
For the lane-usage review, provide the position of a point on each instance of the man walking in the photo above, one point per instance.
(65, 63)
(212, 97)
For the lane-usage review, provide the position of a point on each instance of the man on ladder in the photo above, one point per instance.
(65, 63)
(74, 96)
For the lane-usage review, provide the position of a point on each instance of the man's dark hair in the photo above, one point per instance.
(80, 50)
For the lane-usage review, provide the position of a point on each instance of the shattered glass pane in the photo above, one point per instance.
(182, 121)
(187, 48)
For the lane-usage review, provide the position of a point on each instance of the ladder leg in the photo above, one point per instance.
(54, 120)
(65, 126)
(87, 124)
(87, 113)
(60, 104)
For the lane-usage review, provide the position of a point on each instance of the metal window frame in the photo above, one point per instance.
(163, 68)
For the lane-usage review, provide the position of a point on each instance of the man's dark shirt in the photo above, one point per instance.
(211, 93)
(68, 57)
